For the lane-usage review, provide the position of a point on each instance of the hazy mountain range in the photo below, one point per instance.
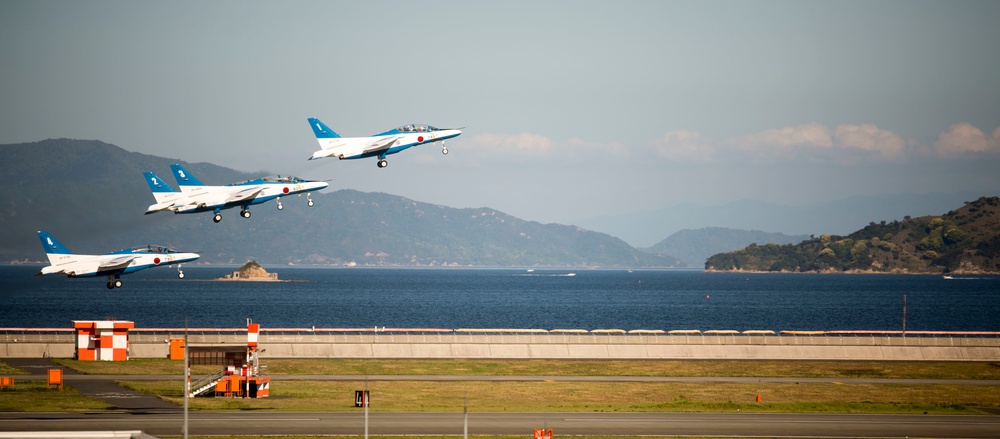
(91, 196)
(645, 229)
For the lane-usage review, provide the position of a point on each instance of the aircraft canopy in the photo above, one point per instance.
(416, 128)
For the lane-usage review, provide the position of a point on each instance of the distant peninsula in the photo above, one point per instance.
(963, 241)
(251, 272)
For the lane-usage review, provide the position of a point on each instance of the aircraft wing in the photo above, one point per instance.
(381, 144)
(245, 194)
(117, 263)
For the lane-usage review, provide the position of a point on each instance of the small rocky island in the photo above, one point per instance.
(251, 272)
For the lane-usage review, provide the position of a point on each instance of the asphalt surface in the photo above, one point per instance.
(410, 423)
(101, 387)
(150, 414)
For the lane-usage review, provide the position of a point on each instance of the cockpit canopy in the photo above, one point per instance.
(416, 128)
(272, 179)
(286, 179)
(160, 249)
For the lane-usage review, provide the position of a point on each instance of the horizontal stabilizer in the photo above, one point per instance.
(159, 207)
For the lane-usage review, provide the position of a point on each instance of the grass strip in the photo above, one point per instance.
(601, 397)
(8, 370)
(35, 396)
(652, 368)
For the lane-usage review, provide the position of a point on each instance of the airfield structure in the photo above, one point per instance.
(240, 376)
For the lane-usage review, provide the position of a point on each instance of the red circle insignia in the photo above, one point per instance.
(420, 139)
(156, 261)
(285, 190)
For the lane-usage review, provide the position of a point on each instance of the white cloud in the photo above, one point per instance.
(869, 137)
(964, 138)
(512, 145)
(685, 146)
(812, 134)
(813, 137)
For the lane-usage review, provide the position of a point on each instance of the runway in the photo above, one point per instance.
(169, 422)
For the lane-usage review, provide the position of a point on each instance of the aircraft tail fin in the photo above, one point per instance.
(161, 190)
(51, 246)
(321, 130)
(183, 177)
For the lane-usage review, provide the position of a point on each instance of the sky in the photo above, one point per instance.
(571, 110)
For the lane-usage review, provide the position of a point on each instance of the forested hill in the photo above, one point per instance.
(91, 195)
(966, 240)
(694, 246)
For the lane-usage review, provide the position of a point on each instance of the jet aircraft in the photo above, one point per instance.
(112, 265)
(378, 145)
(195, 197)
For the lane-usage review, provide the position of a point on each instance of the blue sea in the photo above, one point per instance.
(452, 298)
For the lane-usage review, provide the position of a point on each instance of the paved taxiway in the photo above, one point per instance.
(633, 424)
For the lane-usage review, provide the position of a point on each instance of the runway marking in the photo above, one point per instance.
(181, 418)
(815, 421)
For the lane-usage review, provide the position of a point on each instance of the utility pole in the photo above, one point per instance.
(364, 402)
(187, 377)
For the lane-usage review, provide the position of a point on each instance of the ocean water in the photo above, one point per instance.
(453, 298)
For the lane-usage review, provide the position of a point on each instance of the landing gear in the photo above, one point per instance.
(279, 203)
(382, 163)
(444, 149)
(311, 203)
(114, 282)
(245, 213)
(180, 273)
(217, 217)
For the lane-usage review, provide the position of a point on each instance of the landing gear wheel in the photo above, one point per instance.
(245, 213)
(280, 206)
(444, 151)
(180, 274)
(217, 217)
(311, 203)
(382, 163)
(111, 285)
(118, 283)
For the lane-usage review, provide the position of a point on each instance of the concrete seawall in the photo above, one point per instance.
(532, 345)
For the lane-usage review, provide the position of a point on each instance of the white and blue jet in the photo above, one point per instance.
(195, 197)
(379, 145)
(112, 265)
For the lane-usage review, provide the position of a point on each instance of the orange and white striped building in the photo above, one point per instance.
(102, 340)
